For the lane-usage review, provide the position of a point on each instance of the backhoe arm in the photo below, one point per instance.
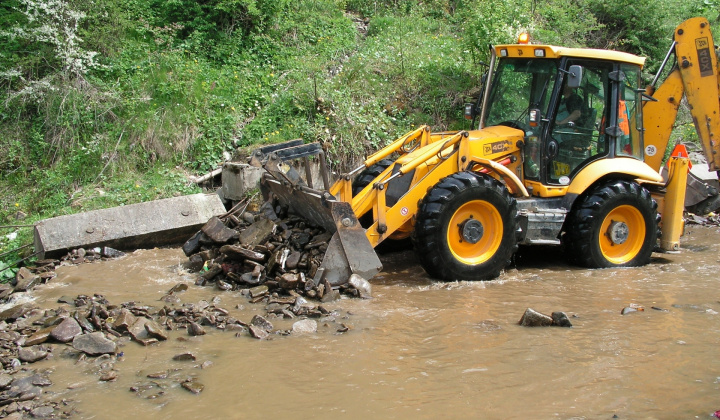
(696, 76)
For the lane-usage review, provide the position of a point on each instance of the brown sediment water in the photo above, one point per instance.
(421, 349)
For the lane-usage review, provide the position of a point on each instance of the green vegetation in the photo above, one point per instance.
(104, 103)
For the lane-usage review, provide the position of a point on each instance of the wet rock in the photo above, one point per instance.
(158, 375)
(5, 380)
(330, 295)
(261, 322)
(216, 230)
(193, 386)
(94, 344)
(184, 357)
(15, 312)
(180, 287)
(532, 318)
(66, 330)
(109, 376)
(361, 285)
(627, 310)
(39, 337)
(258, 332)
(32, 354)
(289, 281)
(306, 326)
(124, 320)
(560, 319)
(108, 252)
(155, 330)
(259, 291)
(240, 253)
(26, 283)
(138, 330)
(257, 233)
(193, 244)
(42, 412)
(195, 329)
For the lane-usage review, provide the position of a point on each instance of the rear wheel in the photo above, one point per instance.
(614, 225)
(465, 228)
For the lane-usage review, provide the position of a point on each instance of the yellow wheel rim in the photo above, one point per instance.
(622, 234)
(489, 240)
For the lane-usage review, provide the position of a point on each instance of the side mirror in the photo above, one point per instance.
(470, 111)
(575, 76)
(534, 117)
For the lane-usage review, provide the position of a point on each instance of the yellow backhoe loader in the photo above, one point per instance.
(568, 151)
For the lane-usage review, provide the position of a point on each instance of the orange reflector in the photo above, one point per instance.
(681, 151)
(524, 38)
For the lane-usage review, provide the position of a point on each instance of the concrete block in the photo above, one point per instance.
(143, 225)
(238, 178)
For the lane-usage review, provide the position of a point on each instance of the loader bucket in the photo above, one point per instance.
(349, 251)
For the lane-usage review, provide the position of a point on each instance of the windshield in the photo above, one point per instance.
(520, 84)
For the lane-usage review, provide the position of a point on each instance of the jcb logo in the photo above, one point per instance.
(704, 58)
(487, 149)
(701, 43)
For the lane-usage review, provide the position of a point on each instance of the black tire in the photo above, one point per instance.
(466, 228)
(367, 176)
(613, 225)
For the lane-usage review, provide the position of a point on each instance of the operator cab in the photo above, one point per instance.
(575, 106)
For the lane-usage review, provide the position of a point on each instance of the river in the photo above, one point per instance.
(421, 349)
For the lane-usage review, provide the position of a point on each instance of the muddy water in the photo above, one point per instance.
(427, 350)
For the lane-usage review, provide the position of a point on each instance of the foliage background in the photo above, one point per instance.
(104, 103)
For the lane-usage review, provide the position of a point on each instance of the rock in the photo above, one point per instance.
(306, 326)
(155, 330)
(258, 291)
(361, 285)
(138, 330)
(289, 281)
(42, 412)
(39, 337)
(258, 332)
(26, 283)
(292, 260)
(257, 233)
(193, 386)
(193, 244)
(66, 330)
(94, 344)
(239, 253)
(15, 312)
(560, 319)
(158, 375)
(184, 357)
(5, 380)
(109, 376)
(108, 252)
(531, 318)
(330, 295)
(627, 310)
(194, 329)
(261, 322)
(216, 230)
(124, 320)
(32, 354)
(180, 287)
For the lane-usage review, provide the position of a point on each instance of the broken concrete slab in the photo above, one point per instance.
(143, 225)
(238, 179)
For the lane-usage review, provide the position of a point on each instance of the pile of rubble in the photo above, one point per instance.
(264, 253)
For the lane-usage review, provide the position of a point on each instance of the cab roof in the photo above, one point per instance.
(551, 51)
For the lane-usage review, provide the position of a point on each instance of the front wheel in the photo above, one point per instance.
(465, 228)
(614, 225)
